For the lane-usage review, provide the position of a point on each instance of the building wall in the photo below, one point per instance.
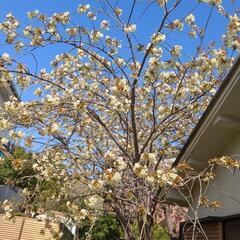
(225, 187)
(4, 95)
(6, 192)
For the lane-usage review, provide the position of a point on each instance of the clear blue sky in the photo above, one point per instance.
(146, 25)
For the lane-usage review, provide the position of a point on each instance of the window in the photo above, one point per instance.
(232, 229)
(211, 229)
(1, 154)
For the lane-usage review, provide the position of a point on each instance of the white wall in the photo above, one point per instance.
(7, 192)
(4, 93)
(225, 187)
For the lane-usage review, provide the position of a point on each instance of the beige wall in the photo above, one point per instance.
(3, 98)
(225, 188)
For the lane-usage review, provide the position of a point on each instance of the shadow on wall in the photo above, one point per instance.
(10, 193)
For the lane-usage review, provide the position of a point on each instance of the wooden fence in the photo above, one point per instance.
(24, 228)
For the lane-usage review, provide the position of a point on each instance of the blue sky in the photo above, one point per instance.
(146, 25)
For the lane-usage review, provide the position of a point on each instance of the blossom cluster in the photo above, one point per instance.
(109, 109)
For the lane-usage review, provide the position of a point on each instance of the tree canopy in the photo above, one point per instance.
(112, 110)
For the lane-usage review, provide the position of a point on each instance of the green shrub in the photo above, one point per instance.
(105, 228)
(108, 228)
(159, 233)
(17, 176)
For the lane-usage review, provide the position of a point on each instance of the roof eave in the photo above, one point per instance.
(213, 103)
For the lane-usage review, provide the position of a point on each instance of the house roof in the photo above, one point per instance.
(221, 112)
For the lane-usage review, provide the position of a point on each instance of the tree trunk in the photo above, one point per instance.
(147, 229)
(169, 223)
(76, 234)
(124, 224)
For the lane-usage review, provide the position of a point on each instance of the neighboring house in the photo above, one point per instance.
(23, 228)
(5, 93)
(7, 192)
(218, 134)
(10, 193)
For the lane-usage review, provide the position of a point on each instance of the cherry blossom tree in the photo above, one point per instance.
(110, 111)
